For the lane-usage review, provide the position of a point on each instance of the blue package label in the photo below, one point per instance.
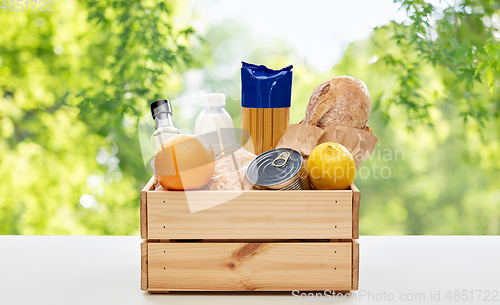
(262, 87)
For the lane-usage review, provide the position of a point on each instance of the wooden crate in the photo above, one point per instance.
(249, 266)
(269, 214)
(254, 241)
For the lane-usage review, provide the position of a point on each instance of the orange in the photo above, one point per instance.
(184, 162)
(331, 167)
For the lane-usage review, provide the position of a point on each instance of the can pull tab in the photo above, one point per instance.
(284, 157)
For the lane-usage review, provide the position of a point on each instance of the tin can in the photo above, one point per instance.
(279, 169)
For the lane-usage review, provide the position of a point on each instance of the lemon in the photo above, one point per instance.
(331, 167)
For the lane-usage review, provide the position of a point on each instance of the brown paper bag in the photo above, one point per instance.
(301, 137)
(360, 143)
(304, 138)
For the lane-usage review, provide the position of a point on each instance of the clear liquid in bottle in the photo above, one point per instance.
(162, 114)
(162, 134)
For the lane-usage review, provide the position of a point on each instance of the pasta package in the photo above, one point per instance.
(265, 100)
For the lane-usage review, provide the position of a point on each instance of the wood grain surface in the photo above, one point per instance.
(249, 266)
(355, 265)
(311, 214)
(356, 199)
(143, 207)
(144, 266)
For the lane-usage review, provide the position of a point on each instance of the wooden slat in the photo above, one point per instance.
(249, 266)
(144, 266)
(355, 265)
(143, 208)
(250, 215)
(356, 198)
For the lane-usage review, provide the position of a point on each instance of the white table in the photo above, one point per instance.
(106, 270)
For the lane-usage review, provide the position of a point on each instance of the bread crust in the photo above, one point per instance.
(340, 101)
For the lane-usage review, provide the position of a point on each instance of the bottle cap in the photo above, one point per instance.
(213, 99)
(161, 106)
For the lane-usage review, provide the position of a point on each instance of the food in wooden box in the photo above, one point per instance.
(340, 101)
(230, 171)
(279, 169)
(184, 162)
(331, 167)
(265, 101)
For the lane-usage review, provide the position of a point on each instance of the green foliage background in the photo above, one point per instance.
(68, 122)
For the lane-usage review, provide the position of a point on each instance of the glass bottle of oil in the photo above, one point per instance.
(162, 114)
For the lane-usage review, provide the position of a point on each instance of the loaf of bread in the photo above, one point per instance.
(340, 101)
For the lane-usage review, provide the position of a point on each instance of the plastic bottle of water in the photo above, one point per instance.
(214, 124)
